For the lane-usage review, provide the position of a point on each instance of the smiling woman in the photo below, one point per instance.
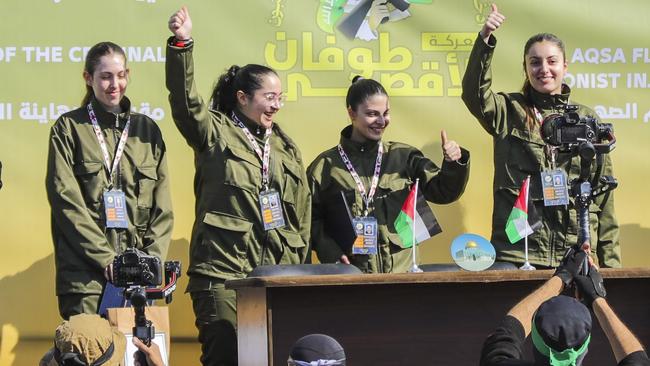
(106, 183)
(368, 179)
(252, 200)
(107, 78)
(513, 120)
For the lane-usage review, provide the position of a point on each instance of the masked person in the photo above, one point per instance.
(107, 184)
(252, 200)
(513, 120)
(560, 326)
(375, 177)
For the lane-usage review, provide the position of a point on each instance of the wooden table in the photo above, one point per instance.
(433, 318)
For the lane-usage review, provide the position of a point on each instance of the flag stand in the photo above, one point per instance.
(414, 267)
(526, 266)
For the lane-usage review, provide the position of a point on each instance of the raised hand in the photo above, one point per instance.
(180, 24)
(492, 23)
(378, 14)
(450, 149)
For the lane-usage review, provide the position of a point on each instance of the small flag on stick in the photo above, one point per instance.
(416, 221)
(523, 219)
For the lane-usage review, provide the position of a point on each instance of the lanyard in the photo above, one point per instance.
(102, 143)
(265, 157)
(367, 198)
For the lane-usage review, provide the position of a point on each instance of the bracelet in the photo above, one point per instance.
(181, 43)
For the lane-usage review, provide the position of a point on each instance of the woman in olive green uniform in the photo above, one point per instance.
(375, 182)
(513, 120)
(252, 200)
(106, 183)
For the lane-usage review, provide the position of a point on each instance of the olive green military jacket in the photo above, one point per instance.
(401, 166)
(228, 238)
(519, 152)
(76, 180)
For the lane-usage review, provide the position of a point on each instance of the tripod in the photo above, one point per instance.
(138, 295)
(584, 194)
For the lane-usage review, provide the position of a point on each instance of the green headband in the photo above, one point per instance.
(567, 357)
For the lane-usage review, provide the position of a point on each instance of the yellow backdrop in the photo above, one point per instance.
(420, 57)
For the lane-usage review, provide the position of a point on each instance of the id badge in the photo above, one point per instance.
(555, 188)
(366, 230)
(115, 209)
(271, 209)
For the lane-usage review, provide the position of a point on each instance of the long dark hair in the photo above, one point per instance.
(362, 89)
(247, 79)
(92, 60)
(526, 89)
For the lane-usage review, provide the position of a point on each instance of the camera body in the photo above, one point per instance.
(136, 268)
(569, 129)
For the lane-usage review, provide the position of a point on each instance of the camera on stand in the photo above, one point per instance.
(585, 137)
(568, 131)
(141, 275)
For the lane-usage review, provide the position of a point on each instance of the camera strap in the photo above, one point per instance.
(599, 170)
(551, 155)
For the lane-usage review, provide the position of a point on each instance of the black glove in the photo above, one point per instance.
(590, 287)
(571, 265)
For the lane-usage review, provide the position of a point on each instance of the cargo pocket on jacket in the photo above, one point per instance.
(146, 184)
(225, 240)
(293, 246)
(525, 157)
(90, 182)
(390, 197)
(147, 177)
(292, 192)
(243, 169)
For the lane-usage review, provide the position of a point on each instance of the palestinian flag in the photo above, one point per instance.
(416, 220)
(523, 219)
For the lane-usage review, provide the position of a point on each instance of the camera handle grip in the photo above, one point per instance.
(582, 192)
(140, 358)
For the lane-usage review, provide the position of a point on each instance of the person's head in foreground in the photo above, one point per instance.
(316, 350)
(86, 339)
(561, 332)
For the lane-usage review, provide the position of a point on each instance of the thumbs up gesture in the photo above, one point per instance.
(492, 23)
(450, 148)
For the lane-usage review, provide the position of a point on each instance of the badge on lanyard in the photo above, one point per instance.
(555, 188)
(115, 209)
(366, 230)
(271, 209)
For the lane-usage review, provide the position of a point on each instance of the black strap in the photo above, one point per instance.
(75, 359)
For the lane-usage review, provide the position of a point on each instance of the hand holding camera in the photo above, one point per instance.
(590, 287)
(571, 265)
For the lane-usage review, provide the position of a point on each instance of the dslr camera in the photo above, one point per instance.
(136, 268)
(568, 130)
(140, 275)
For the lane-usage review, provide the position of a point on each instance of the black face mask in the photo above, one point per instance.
(75, 359)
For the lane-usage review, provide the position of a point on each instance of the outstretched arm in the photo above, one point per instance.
(525, 309)
(621, 339)
(592, 292)
(190, 113)
(488, 107)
